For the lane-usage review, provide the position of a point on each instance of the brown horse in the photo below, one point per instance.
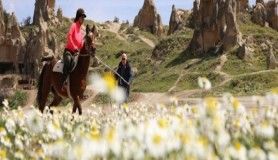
(52, 81)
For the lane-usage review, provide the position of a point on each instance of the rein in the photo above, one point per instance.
(111, 70)
(84, 55)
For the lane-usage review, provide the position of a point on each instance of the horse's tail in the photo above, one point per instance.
(41, 77)
(40, 85)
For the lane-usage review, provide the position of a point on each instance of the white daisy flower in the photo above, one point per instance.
(6, 103)
(204, 83)
(265, 130)
(10, 126)
(99, 84)
(34, 121)
(118, 95)
(256, 153)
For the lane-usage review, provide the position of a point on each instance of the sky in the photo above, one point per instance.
(100, 10)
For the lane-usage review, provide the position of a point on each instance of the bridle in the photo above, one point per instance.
(88, 47)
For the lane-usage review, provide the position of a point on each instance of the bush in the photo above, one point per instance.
(27, 21)
(18, 99)
(116, 20)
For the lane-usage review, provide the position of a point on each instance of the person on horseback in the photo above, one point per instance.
(75, 40)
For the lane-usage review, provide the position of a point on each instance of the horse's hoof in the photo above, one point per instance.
(72, 118)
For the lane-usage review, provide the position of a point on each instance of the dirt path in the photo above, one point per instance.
(91, 97)
(147, 41)
(114, 28)
(176, 83)
(31, 97)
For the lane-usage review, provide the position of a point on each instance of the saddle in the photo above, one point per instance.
(59, 66)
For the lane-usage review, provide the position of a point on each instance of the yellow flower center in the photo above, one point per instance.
(2, 129)
(237, 146)
(95, 135)
(3, 154)
(111, 135)
(194, 109)
(110, 81)
(211, 104)
(203, 140)
(163, 123)
(125, 106)
(236, 104)
(157, 139)
(184, 138)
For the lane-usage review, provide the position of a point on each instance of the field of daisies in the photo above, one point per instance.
(216, 128)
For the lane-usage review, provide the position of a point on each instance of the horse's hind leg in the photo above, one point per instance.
(56, 100)
(77, 105)
(45, 91)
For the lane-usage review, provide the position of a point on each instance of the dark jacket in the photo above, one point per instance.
(125, 72)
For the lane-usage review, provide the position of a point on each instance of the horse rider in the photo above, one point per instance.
(75, 40)
(124, 70)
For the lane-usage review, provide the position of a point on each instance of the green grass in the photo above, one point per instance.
(102, 99)
(18, 99)
(190, 81)
(155, 83)
(112, 46)
(235, 66)
(257, 84)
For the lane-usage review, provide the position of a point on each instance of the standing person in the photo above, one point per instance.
(75, 41)
(124, 70)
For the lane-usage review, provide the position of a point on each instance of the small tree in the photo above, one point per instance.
(116, 20)
(27, 21)
(6, 16)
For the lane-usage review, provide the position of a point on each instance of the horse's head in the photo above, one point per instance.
(90, 42)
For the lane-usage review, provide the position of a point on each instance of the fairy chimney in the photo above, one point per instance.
(148, 18)
(259, 14)
(2, 24)
(44, 9)
(272, 13)
(242, 5)
(12, 41)
(178, 19)
(215, 25)
(266, 13)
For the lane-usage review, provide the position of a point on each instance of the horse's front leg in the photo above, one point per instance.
(76, 105)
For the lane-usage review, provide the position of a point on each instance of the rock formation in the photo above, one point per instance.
(272, 61)
(44, 9)
(2, 25)
(259, 15)
(215, 25)
(42, 41)
(242, 5)
(272, 13)
(149, 19)
(12, 43)
(260, 1)
(265, 13)
(178, 19)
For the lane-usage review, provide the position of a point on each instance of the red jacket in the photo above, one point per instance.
(75, 37)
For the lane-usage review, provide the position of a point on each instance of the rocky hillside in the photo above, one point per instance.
(221, 43)
(243, 62)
